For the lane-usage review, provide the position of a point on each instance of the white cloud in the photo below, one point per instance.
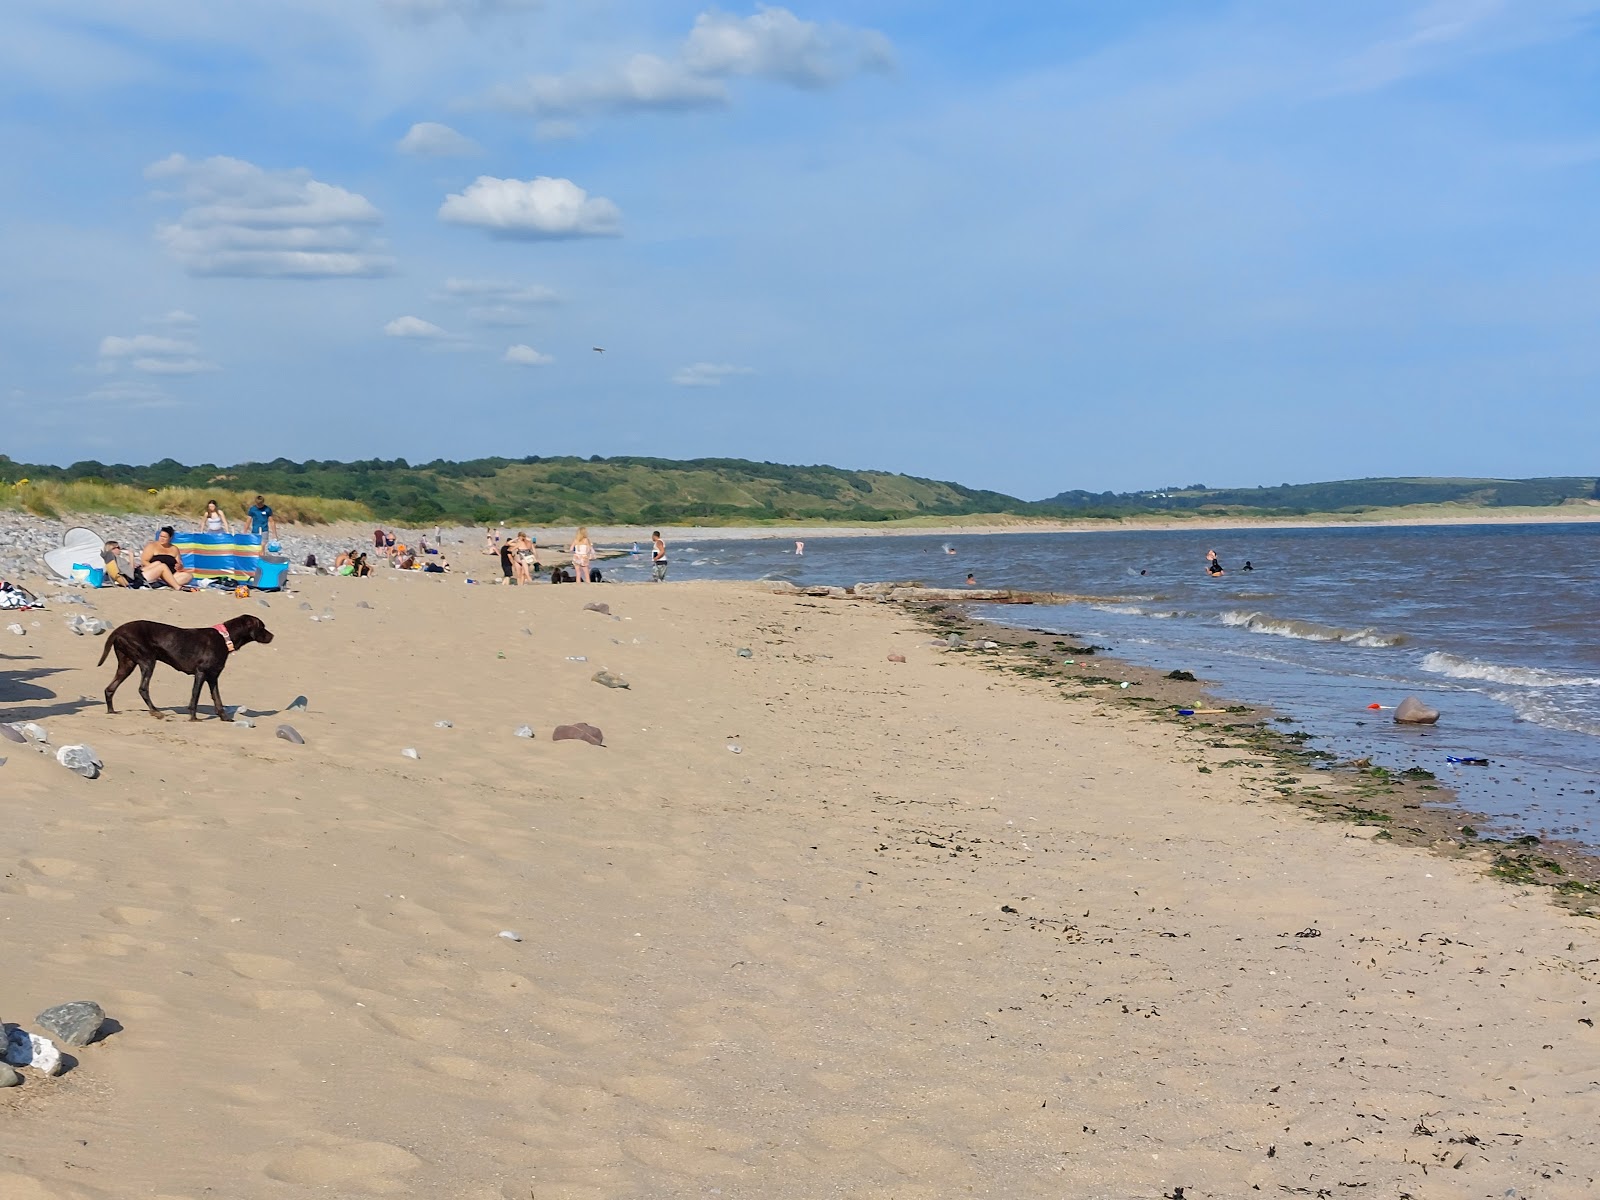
(414, 328)
(172, 366)
(142, 344)
(644, 82)
(429, 139)
(175, 317)
(704, 374)
(500, 291)
(152, 355)
(531, 208)
(526, 356)
(243, 220)
(771, 44)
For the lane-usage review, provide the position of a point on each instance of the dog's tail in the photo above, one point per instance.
(110, 641)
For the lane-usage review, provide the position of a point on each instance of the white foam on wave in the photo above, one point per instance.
(1133, 610)
(1536, 708)
(1309, 631)
(1442, 663)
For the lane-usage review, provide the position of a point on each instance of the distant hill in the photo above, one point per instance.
(1339, 496)
(561, 490)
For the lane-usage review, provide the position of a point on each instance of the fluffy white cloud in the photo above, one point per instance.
(415, 328)
(772, 43)
(704, 374)
(152, 355)
(531, 208)
(526, 356)
(243, 220)
(429, 139)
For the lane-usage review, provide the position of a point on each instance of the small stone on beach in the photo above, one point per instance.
(9, 1076)
(599, 608)
(607, 679)
(746, 652)
(897, 658)
(290, 734)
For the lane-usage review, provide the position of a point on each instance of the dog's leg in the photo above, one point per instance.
(216, 697)
(146, 671)
(125, 665)
(194, 696)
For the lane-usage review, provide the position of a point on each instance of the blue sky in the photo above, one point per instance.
(1026, 246)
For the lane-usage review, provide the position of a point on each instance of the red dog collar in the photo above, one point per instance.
(226, 637)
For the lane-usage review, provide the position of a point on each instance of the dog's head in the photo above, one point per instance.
(248, 629)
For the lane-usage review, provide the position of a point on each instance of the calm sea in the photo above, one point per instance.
(1495, 626)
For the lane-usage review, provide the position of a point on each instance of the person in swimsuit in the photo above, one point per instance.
(161, 564)
(582, 554)
(522, 558)
(1213, 563)
(214, 521)
(658, 557)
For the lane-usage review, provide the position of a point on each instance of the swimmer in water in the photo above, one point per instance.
(1213, 563)
(1247, 565)
(971, 579)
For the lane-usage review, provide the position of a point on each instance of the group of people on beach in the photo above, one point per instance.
(519, 557)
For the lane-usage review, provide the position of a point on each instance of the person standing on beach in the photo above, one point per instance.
(215, 520)
(582, 554)
(658, 557)
(263, 524)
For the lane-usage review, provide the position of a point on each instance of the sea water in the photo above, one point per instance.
(1494, 625)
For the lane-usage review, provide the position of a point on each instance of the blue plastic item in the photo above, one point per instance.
(271, 575)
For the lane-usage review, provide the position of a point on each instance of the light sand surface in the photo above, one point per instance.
(788, 972)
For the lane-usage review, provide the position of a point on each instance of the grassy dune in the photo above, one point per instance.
(49, 498)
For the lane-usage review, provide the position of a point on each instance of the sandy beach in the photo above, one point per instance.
(931, 931)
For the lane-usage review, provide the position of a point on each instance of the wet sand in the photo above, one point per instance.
(935, 930)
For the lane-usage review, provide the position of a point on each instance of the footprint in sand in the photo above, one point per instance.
(350, 1166)
(129, 915)
(264, 967)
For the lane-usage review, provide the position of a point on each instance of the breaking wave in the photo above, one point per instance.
(1309, 631)
(1441, 663)
(1133, 610)
(1535, 707)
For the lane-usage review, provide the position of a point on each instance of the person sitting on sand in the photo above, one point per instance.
(161, 565)
(109, 555)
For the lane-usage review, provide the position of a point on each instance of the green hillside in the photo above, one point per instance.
(1339, 496)
(560, 490)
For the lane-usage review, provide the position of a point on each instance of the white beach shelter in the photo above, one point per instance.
(78, 545)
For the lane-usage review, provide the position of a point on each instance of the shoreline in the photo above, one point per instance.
(1386, 801)
(834, 909)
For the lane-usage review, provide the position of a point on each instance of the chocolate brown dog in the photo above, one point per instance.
(198, 652)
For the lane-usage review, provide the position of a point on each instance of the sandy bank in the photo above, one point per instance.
(931, 932)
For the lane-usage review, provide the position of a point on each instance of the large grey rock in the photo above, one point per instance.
(1414, 712)
(76, 1022)
(9, 1076)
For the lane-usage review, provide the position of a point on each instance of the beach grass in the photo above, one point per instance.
(52, 498)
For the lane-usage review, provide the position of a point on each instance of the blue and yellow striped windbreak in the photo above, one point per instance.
(220, 555)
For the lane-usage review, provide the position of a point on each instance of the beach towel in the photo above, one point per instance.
(219, 555)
